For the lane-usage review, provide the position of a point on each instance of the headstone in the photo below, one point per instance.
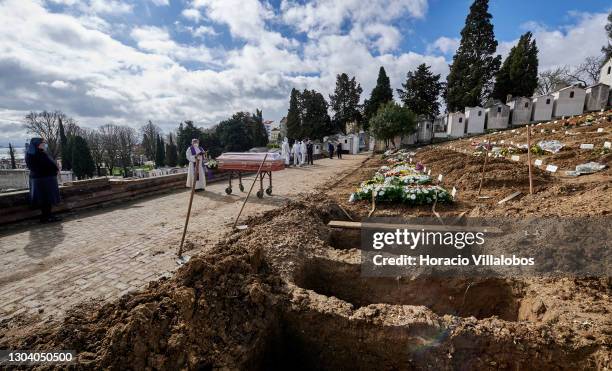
(586, 146)
(454, 192)
(600, 130)
(554, 131)
(429, 172)
(551, 168)
(607, 145)
(440, 178)
(502, 142)
(541, 130)
(538, 162)
(515, 158)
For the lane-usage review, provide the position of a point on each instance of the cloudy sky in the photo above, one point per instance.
(128, 61)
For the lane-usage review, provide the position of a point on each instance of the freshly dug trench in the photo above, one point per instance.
(478, 297)
(345, 239)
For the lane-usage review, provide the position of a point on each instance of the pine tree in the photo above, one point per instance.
(607, 49)
(83, 165)
(65, 150)
(12, 154)
(316, 122)
(185, 133)
(518, 76)
(345, 101)
(382, 93)
(171, 152)
(421, 91)
(474, 65)
(258, 135)
(160, 155)
(293, 116)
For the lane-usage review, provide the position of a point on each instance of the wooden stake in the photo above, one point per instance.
(248, 194)
(529, 159)
(193, 183)
(373, 204)
(483, 167)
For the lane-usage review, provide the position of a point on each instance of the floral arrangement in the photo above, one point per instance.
(212, 164)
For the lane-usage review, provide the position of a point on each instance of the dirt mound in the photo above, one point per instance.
(464, 172)
(213, 313)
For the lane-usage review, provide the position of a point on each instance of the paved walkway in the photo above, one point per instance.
(107, 252)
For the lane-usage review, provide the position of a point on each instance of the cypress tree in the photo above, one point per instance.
(421, 91)
(160, 155)
(382, 93)
(474, 65)
(345, 101)
(12, 154)
(518, 75)
(171, 152)
(293, 116)
(83, 165)
(65, 150)
(607, 49)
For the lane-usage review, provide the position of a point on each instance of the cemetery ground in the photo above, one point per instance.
(287, 293)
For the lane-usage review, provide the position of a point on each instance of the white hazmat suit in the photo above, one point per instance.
(295, 150)
(286, 152)
(201, 182)
(303, 153)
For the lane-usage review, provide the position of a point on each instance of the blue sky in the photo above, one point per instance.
(128, 61)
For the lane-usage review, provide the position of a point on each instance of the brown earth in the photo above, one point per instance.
(287, 293)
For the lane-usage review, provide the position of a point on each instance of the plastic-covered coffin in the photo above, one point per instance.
(247, 161)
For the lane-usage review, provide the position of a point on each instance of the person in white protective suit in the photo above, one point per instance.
(303, 152)
(295, 150)
(286, 152)
(196, 152)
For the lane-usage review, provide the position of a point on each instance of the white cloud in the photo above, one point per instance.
(445, 45)
(161, 2)
(192, 14)
(57, 84)
(202, 31)
(158, 40)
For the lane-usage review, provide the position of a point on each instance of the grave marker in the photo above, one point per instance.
(515, 158)
(538, 162)
(551, 168)
(600, 130)
(440, 178)
(607, 145)
(454, 192)
(586, 146)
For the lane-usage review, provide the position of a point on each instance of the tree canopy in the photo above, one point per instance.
(344, 102)
(421, 91)
(474, 65)
(160, 151)
(83, 165)
(607, 49)
(382, 93)
(518, 76)
(307, 116)
(392, 120)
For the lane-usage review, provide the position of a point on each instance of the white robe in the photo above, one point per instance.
(304, 152)
(296, 153)
(286, 152)
(201, 182)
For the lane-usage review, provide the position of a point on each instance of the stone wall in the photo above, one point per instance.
(14, 206)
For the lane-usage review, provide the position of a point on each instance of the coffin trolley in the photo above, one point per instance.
(237, 163)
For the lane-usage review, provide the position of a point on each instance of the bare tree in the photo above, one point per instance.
(587, 72)
(96, 146)
(149, 132)
(127, 141)
(45, 125)
(109, 135)
(552, 80)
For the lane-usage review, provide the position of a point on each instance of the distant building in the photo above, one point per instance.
(439, 126)
(424, 130)
(283, 127)
(542, 107)
(275, 135)
(605, 76)
(269, 125)
(497, 115)
(596, 97)
(474, 120)
(520, 110)
(455, 124)
(568, 101)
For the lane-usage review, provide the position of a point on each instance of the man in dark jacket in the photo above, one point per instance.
(309, 152)
(339, 150)
(330, 149)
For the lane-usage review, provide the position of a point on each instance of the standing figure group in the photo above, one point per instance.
(301, 152)
(337, 148)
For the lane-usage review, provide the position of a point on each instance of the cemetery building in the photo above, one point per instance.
(605, 76)
(455, 124)
(596, 97)
(474, 120)
(439, 126)
(520, 110)
(568, 101)
(542, 107)
(497, 116)
(424, 130)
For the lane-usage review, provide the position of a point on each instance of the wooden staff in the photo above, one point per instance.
(248, 194)
(529, 159)
(193, 183)
(484, 165)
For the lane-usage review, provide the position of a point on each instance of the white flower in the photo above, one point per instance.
(413, 197)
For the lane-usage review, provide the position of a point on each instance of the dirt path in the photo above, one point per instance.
(108, 252)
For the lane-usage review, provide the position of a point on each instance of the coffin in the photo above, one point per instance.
(247, 161)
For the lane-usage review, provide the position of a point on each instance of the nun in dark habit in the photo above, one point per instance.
(44, 191)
